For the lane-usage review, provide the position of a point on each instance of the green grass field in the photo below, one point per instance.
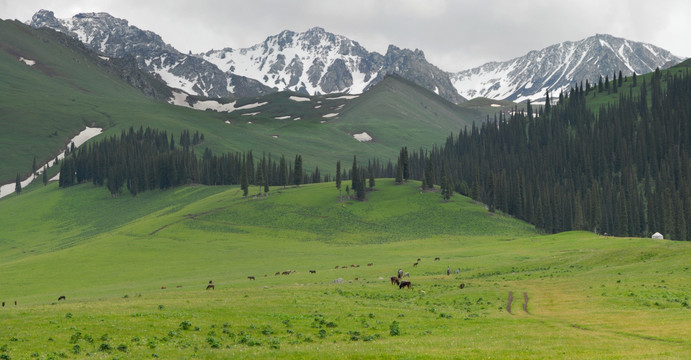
(588, 296)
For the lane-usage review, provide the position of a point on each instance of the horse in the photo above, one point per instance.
(251, 277)
(62, 297)
(394, 280)
(404, 284)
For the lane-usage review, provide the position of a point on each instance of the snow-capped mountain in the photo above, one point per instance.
(559, 67)
(319, 62)
(312, 62)
(114, 37)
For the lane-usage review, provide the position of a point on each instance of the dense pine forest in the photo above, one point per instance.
(148, 159)
(623, 170)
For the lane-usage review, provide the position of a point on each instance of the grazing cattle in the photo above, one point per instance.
(210, 286)
(436, 259)
(344, 267)
(418, 259)
(356, 279)
(404, 284)
(462, 285)
(414, 264)
(265, 275)
(313, 271)
(458, 271)
(62, 297)
(370, 264)
(179, 286)
(336, 267)
(448, 271)
(3, 304)
(15, 303)
(400, 273)
(163, 287)
(251, 277)
(351, 265)
(394, 280)
(278, 273)
(287, 272)
(406, 274)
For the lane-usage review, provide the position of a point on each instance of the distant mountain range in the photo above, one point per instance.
(318, 62)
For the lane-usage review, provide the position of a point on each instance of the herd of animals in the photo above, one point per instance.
(395, 280)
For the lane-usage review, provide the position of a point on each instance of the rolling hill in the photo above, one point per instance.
(133, 272)
(69, 87)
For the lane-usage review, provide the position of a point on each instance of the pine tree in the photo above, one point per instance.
(245, 181)
(399, 173)
(338, 180)
(371, 178)
(33, 166)
(18, 185)
(405, 162)
(297, 172)
(259, 180)
(548, 103)
(282, 172)
(429, 173)
(360, 191)
(45, 175)
(355, 182)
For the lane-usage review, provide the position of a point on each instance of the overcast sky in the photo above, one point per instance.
(455, 35)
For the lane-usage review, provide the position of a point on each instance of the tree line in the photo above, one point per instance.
(147, 159)
(623, 170)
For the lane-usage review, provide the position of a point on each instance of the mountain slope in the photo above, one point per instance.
(559, 66)
(313, 62)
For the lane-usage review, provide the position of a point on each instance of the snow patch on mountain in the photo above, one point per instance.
(559, 67)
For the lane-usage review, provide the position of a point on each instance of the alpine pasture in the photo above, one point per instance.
(133, 271)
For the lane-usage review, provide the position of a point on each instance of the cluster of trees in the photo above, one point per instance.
(148, 159)
(623, 170)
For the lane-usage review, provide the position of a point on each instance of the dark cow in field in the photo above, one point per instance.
(400, 273)
(62, 297)
(370, 264)
(462, 285)
(414, 264)
(287, 272)
(404, 284)
(210, 286)
(3, 304)
(251, 277)
(394, 280)
(278, 273)
(418, 259)
(313, 271)
(436, 259)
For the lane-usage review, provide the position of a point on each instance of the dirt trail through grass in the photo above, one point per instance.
(525, 303)
(508, 302)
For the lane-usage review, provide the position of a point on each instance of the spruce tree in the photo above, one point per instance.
(245, 181)
(282, 172)
(33, 166)
(355, 182)
(45, 175)
(297, 172)
(18, 185)
(399, 173)
(338, 180)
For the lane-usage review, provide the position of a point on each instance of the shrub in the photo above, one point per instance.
(185, 325)
(394, 328)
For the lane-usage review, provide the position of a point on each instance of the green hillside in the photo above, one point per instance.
(587, 296)
(69, 88)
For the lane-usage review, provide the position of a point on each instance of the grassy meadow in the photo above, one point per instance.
(588, 296)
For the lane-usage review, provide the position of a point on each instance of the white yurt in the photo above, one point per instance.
(657, 235)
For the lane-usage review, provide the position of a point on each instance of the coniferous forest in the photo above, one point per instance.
(149, 159)
(623, 170)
